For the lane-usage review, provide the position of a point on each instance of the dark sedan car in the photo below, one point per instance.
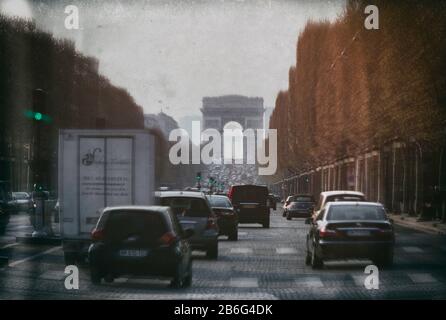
(251, 203)
(137, 240)
(345, 230)
(300, 207)
(227, 219)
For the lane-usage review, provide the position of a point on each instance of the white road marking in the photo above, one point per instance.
(359, 279)
(145, 281)
(9, 245)
(241, 250)
(310, 282)
(421, 278)
(244, 283)
(20, 227)
(53, 275)
(207, 296)
(412, 249)
(16, 263)
(242, 233)
(229, 296)
(286, 250)
(350, 262)
(121, 280)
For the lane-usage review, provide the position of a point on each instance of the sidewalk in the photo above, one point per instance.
(433, 227)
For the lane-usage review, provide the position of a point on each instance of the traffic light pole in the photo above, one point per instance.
(41, 229)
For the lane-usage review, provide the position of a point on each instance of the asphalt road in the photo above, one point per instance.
(263, 264)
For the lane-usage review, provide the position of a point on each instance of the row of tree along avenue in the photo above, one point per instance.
(45, 85)
(366, 109)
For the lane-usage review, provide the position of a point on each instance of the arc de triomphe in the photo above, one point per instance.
(218, 111)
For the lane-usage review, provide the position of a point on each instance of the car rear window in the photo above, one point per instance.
(344, 197)
(187, 206)
(295, 205)
(354, 212)
(258, 194)
(147, 226)
(303, 199)
(219, 202)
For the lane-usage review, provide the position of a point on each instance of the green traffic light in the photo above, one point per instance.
(38, 116)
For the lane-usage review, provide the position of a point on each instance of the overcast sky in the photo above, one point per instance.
(172, 53)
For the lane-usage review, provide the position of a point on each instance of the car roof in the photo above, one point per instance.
(249, 185)
(217, 196)
(188, 194)
(357, 203)
(303, 195)
(161, 209)
(342, 192)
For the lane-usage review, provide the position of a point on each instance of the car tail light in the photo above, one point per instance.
(97, 234)
(327, 233)
(211, 224)
(385, 232)
(168, 238)
(230, 193)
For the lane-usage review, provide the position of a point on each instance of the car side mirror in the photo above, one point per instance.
(188, 233)
(308, 220)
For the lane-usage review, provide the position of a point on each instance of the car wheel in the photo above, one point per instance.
(316, 261)
(188, 279)
(234, 235)
(95, 276)
(212, 252)
(266, 223)
(307, 259)
(178, 280)
(70, 258)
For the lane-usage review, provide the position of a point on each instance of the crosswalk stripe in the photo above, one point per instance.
(421, 278)
(241, 250)
(121, 280)
(52, 275)
(310, 282)
(10, 245)
(16, 263)
(412, 249)
(286, 250)
(359, 279)
(244, 282)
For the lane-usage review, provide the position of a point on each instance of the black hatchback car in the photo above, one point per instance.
(345, 230)
(301, 206)
(251, 203)
(141, 241)
(227, 219)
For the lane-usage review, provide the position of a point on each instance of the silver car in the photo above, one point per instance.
(194, 212)
(21, 201)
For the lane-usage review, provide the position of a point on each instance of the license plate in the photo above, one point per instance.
(249, 206)
(133, 253)
(359, 233)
